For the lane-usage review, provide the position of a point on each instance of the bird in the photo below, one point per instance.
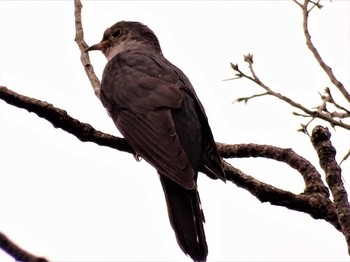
(156, 109)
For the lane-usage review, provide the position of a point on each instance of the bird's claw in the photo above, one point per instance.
(137, 157)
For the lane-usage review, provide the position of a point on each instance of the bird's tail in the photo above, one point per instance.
(186, 218)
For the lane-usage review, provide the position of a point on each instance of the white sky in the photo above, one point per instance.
(74, 201)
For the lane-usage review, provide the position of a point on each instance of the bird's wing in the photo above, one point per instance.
(139, 92)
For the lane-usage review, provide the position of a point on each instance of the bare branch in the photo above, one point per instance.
(312, 179)
(18, 253)
(344, 157)
(303, 127)
(316, 205)
(313, 113)
(299, 114)
(329, 98)
(315, 52)
(60, 119)
(315, 4)
(246, 99)
(326, 153)
(84, 57)
(295, 1)
(334, 118)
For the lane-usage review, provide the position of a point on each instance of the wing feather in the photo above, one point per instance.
(139, 94)
(154, 138)
(143, 93)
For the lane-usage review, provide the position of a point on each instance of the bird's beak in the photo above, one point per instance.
(100, 46)
(94, 47)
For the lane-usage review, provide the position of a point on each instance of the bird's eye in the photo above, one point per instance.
(116, 32)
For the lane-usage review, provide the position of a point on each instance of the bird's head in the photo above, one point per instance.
(124, 36)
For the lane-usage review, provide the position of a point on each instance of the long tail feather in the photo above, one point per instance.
(186, 218)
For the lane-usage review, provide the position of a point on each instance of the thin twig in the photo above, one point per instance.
(333, 118)
(315, 4)
(314, 113)
(331, 100)
(344, 158)
(295, 1)
(84, 57)
(317, 55)
(303, 127)
(246, 99)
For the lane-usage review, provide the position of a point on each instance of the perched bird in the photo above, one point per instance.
(156, 109)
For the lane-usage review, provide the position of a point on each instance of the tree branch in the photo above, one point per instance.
(314, 51)
(317, 205)
(312, 179)
(329, 98)
(246, 99)
(18, 253)
(326, 153)
(60, 119)
(84, 57)
(314, 201)
(254, 77)
(321, 112)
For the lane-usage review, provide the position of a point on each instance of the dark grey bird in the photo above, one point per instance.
(156, 109)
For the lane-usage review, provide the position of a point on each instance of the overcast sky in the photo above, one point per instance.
(74, 201)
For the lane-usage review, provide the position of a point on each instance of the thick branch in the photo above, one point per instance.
(317, 205)
(312, 178)
(326, 153)
(17, 252)
(60, 119)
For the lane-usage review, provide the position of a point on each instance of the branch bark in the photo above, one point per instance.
(326, 153)
(313, 49)
(84, 57)
(317, 205)
(18, 253)
(312, 179)
(60, 119)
